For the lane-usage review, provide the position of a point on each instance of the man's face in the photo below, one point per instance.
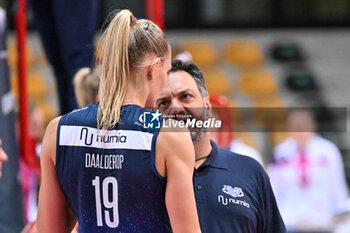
(181, 99)
(301, 126)
(3, 157)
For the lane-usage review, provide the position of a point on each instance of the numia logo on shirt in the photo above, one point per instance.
(101, 138)
(234, 192)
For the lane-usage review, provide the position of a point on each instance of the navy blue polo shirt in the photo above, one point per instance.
(234, 195)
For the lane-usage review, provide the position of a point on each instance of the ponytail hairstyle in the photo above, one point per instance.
(124, 45)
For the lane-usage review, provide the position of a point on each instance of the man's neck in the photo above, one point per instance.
(202, 148)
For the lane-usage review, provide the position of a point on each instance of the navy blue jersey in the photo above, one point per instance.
(109, 177)
(233, 194)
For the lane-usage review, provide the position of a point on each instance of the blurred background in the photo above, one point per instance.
(254, 53)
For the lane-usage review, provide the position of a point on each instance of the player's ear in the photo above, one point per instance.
(150, 72)
(152, 69)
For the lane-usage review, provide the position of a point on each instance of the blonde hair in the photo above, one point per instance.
(123, 48)
(86, 83)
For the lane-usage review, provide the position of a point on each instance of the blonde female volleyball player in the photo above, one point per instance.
(115, 173)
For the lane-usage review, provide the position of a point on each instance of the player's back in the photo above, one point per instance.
(109, 177)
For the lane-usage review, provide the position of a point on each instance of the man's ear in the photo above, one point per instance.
(208, 106)
(207, 102)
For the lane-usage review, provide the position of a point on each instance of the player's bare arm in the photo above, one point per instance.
(53, 209)
(175, 160)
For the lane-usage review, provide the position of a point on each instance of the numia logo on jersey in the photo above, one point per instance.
(89, 137)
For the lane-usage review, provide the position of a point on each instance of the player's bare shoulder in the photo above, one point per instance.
(174, 135)
(175, 144)
(49, 141)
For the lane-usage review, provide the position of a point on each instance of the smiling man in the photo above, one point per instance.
(233, 192)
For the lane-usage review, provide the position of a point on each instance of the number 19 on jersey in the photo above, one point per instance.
(111, 214)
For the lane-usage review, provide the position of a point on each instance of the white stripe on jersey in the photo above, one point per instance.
(105, 139)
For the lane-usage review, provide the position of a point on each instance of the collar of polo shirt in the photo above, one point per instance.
(214, 159)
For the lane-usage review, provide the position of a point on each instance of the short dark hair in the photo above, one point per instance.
(193, 70)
